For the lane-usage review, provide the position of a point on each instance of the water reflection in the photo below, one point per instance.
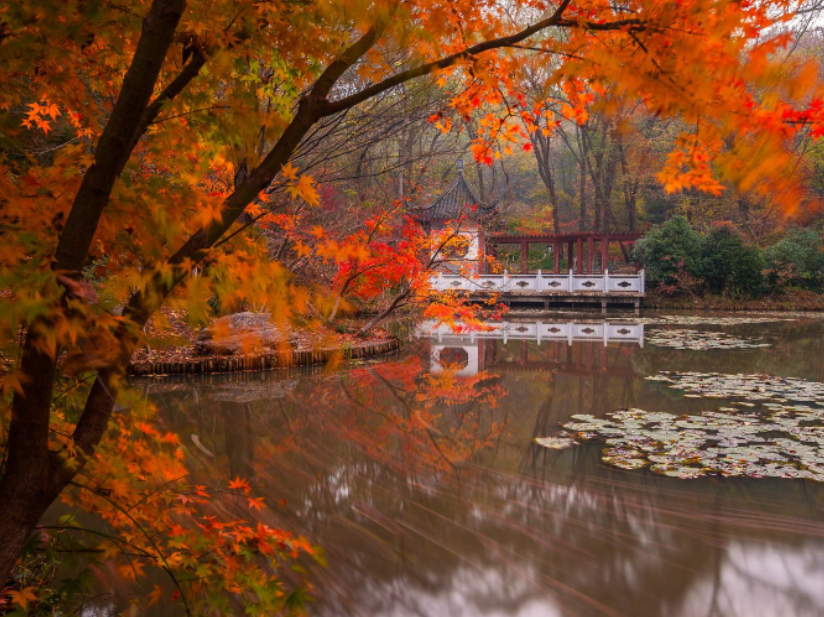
(422, 484)
(472, 351)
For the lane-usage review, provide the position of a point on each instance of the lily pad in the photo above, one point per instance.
(764, 439)
(625, 463)
(678, 471)
(555, 443)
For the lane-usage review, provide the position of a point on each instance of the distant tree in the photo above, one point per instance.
(668, 249)
(797, 259)
(730, 266)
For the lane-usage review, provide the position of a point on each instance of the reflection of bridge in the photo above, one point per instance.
(540, 331)
(476, 351)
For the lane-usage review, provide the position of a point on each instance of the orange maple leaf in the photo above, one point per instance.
(155, 595)
(256, 502)
(240, 484)
(289, 171)
(23, 597)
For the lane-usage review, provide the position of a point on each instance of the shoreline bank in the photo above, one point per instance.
(299, 357)
(796, 301)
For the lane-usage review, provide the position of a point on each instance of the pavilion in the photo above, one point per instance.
(584, 252)
(587, 277)
(458, 200)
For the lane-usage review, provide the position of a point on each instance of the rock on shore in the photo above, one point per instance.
(241, 334)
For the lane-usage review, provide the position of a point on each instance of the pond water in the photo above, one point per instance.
(419, 476)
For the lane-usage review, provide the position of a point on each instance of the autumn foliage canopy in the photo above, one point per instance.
(146, 138)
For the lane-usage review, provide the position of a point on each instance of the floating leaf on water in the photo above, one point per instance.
(587, 426)
(555, 443)
(710, 320)
(625, 463)
(585, 417)
(678, 471)
(697, 340)
(622, 453)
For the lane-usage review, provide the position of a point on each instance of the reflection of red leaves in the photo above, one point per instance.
(438, 429)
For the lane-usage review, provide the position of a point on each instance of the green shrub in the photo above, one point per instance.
(669, 250)
(796, 260)
(678, 260)
(730, 266)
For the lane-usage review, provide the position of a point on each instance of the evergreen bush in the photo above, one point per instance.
(796, 260)
(730, 266)
(669, 250)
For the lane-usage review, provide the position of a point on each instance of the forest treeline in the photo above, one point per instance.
(599, 175)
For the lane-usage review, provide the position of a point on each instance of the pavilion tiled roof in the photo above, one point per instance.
(457, 199)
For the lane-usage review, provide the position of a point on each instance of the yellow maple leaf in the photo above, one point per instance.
(304, 189)
(289, 171)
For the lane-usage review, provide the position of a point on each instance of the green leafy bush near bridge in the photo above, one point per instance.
(679, 260)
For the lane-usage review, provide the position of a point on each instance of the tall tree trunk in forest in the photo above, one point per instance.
(405, 148)
(541, 146)
(606, 191)
(630, 188)
(744, 208)
(602, 165)
(359, 174)
(582, 179)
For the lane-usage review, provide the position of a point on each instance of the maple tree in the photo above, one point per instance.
(390, 261)
(140, 139)
(209, 539)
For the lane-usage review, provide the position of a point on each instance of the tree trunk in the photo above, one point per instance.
(630, 189)
(541, 147)
(33, 477)
(582, 179)
(20, 512)
(27, 487)
(384, 314)
(333, 315)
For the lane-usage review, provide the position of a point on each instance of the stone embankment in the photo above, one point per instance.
(250, 342)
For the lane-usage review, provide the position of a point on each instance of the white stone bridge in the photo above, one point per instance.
(538, 287)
